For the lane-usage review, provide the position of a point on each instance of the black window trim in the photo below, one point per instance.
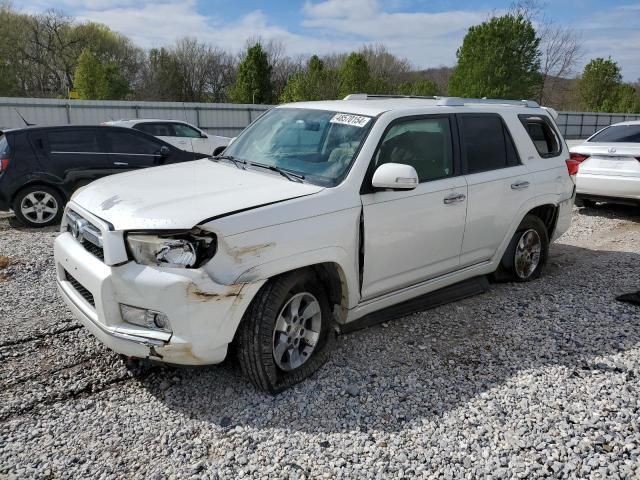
(507, 136)
(367, 187)
(524, 117)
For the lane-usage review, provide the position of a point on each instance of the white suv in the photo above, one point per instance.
(318, 217)
(181, 135)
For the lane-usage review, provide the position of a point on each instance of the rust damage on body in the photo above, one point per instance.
(196, 293)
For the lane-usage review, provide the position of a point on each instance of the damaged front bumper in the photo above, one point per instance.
(203, 315)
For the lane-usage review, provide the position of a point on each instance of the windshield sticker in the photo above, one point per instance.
(349, 119)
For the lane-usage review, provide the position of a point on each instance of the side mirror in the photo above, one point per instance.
(218, 150)
(395, 176)
(164, 151)
(204, 135)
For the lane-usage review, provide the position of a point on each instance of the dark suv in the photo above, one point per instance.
(40, 167)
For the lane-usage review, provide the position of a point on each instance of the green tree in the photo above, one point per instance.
(253, 80)
(628, 99)
(315, 83)
(354, 76)
(499, 58)
(422, 87)
(95, 81)
(600, 85)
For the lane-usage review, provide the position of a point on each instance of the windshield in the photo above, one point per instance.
(618, 134)
(317, 144)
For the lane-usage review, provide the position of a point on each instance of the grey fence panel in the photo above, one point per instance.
(217, 118)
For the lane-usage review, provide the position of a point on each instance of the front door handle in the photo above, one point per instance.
(121, 164)
(519, 185)
(454, 198)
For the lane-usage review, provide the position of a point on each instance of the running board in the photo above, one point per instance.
(452, 293)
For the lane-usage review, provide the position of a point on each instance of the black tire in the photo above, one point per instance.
(255, 338)
(40, 193)
(508, 270)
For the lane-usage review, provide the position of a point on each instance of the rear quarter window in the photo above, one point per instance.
(544, 137)
(4, 145)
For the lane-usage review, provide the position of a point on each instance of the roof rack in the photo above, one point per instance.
(448, 101)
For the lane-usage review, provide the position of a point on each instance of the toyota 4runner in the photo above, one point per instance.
(318, 215)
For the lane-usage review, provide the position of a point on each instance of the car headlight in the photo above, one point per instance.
(172, 249)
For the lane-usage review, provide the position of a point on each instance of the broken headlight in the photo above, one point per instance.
(172, 249)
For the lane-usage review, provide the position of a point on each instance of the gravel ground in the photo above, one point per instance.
(527, 380)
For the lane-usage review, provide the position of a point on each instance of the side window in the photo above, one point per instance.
(183, 130)
(76, 141)
(542, 135)
(425, 144)
(156, 129)
(486, 144)
(129, 143)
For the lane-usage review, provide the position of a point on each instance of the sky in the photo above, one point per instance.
(427, 33)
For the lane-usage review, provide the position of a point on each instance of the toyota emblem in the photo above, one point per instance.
(77, 226)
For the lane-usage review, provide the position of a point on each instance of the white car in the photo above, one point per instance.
(609, 165)
(179, 134)
(319, 217)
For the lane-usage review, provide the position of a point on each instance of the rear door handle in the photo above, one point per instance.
(519, 185)
(454, 198)
(121, 164)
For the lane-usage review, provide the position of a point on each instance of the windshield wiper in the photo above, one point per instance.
(294, 177)
(236, 161)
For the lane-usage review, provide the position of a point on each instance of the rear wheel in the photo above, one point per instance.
(285, 333)
(527, 252)
(38, 206)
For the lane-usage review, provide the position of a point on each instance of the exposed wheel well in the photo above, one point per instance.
(42, 184)
(548, 214)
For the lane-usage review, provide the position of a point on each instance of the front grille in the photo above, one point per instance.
(95, 250)
(86, 294)
(89, 236)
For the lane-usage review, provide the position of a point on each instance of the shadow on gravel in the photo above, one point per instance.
(432, 362)
(612, 210)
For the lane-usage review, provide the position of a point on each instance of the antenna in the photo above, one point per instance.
(23, 119)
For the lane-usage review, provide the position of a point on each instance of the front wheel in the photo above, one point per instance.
(527, 252)
(285, 333)
(38, 206)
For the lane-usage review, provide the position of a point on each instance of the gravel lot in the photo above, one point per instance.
(527, 380)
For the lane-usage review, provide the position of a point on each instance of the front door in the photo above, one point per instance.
(411, 236)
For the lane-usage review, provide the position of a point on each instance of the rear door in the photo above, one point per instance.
(498, 184)
(76, 156)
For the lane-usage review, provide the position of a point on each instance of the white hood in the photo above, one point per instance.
(182, 195)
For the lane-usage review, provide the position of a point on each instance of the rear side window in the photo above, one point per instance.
(618, 134)
(129, 143)
(4, 145)
(425, 144)
(485, 143)
(73, 141)
(156, 129)
(185, 131)
(542, 134)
